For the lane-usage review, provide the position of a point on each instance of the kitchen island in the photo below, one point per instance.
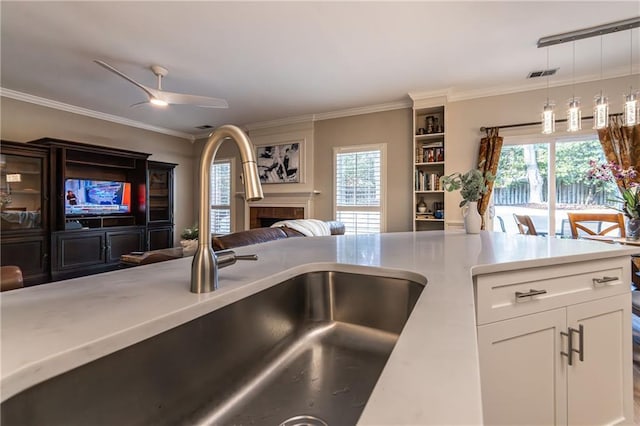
(431, 377)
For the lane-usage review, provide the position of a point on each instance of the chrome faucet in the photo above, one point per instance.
(204, 268)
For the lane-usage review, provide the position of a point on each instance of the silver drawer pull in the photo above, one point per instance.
(531, 292)
(604, 280)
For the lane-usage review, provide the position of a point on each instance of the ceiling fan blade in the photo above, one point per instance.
(137, 104)
(126, 77)
(184, 99)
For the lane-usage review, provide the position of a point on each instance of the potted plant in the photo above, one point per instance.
(472, 185)
(189, 240)
(629, 199)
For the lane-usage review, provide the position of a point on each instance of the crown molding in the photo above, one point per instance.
(307, 118)
(455, 96)
(421, 96)
(390, 106)
(328, 115)
(25, 97)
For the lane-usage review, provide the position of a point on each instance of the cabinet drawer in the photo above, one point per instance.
(511, 294)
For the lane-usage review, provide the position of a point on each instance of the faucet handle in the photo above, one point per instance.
(229, 257)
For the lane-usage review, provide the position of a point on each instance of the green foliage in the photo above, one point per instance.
(190, 233)
(471, 184)
(572, 161)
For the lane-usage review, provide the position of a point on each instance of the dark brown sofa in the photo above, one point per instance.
(226, 242)
(261, 235)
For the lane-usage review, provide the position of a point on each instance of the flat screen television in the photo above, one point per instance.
(84, 197)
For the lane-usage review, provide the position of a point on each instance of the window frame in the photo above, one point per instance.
(551, 140)
(231, 206)
(382, 208)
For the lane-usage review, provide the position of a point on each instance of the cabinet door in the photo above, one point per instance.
(522, 374)
(123, 242)
(78, 249)
(160, 208)
(601, 386)
(30, 253)
(160, 238)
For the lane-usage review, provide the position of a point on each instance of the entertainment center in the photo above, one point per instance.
(88, 205)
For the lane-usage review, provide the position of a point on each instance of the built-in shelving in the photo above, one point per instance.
(428, 166)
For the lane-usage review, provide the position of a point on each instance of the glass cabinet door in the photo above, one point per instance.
(160, 194)
(20, 192)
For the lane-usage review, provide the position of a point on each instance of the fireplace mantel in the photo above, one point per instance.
(288, 201)
(306, 194)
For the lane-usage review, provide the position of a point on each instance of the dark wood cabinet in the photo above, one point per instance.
(160, 226)
(30, 253)
(86, 251)
(106, 214)
(24, 210)
(69, 209)
(160, 237)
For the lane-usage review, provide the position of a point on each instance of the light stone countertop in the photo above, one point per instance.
(432, 376)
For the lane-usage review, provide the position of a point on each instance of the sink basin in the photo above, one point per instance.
(307, 351)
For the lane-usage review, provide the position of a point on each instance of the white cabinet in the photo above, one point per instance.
(523, 343)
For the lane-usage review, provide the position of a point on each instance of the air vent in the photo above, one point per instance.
(542, 73)
(204, 127)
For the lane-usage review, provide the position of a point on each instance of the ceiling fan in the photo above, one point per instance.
(162, 97)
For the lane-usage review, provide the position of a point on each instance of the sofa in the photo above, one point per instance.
(261, 235)
(227, 242)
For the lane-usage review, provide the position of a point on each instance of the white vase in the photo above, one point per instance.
(472, 219)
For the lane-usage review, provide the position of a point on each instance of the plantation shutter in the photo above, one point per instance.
(220, 197)
(358, 189)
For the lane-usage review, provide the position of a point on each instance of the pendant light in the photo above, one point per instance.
(548, 114)
(631, 109)
(574, 114)
(601, 103)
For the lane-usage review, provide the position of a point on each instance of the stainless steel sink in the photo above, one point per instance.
(307, 351)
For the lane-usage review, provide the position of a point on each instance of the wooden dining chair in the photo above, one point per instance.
(525, 224)
(607, 222)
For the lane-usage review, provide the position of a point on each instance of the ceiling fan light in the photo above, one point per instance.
(158, 102)
(548, 119)
(600, 112)
(631, 109)
(574, 116)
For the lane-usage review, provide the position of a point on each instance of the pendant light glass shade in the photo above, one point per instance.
(548, 114)
(548, 119)
(600, 112)
(631, 113)
(574, 116)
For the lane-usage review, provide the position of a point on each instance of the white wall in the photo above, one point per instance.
(23, 122)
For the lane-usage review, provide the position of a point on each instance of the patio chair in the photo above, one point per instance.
(525, 224)
(607, 222)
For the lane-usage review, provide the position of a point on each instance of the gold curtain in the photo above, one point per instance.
(621, 144)
(488, 157)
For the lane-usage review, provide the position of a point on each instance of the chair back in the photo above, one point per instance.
(605, 223)
(525, 224)
(10, 278)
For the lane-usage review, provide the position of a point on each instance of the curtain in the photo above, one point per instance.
(621, 144)
(488, 157)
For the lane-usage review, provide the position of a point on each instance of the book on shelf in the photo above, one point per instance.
(425, 181)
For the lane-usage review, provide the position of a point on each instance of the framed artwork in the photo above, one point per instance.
(279, 163)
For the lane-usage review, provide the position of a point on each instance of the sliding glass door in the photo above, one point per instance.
(546, 180)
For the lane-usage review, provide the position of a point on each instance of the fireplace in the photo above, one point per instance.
(264, 216)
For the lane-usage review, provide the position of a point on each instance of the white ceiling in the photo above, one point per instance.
(274, 60)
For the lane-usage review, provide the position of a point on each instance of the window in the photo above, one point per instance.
(359, 188)
(529, 172)
(221, 196)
